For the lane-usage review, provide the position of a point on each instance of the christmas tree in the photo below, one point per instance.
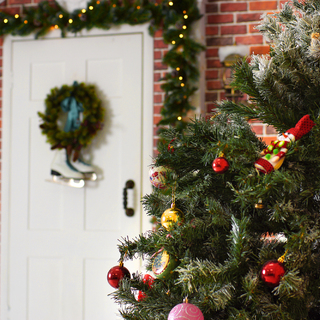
(239, 221)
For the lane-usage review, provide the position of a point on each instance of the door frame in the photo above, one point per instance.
(146, 135)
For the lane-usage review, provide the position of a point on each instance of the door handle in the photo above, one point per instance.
(128, 198)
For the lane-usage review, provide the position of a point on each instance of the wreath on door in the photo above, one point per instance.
(83, 113)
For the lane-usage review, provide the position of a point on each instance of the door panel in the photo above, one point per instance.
(62, 241)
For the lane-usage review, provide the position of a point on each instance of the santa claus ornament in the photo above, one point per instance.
(273, 156)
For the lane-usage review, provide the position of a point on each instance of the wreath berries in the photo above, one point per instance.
(74, 100)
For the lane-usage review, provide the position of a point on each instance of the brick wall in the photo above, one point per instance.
(228, 23)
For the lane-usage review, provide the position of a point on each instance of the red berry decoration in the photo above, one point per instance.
(272, 272)
(220, 165)
(116, 274)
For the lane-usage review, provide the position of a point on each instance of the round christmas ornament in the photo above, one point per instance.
(220, 165)
(149, 281)
(116, 274)
(157, 176)
(163, 265)
(272, 272)
(185, 311)
(170, 216)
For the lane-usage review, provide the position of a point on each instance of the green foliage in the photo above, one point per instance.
(175, 20)
(222, 244)
(93, 117)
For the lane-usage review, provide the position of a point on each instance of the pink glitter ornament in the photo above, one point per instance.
(185, 311)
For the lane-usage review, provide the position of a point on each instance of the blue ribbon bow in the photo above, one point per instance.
(73, 107)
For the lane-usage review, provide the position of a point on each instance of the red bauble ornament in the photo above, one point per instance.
(220, 165)
(272, 272)
(149, 281)
(116, 274)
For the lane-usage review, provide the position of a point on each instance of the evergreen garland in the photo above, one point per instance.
(92, 121)
(174, 17)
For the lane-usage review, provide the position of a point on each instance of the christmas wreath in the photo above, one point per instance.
(73, 103)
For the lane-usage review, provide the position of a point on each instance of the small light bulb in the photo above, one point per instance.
(70, 20)
(181, 35)
(91, 8)
(170, 3)
(114, 5)
(173, 42)
(5, 20)
(185, 16)
(177, 68)
(184, 27)
(180, 78)
(179, 118)
(98, 2)
(56, 26)
(16, 16)
(182, 84)
(83, 10)
(25, 21)
(138, 7)
(60, 16)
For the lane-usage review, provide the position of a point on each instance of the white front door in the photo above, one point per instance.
(59, 241)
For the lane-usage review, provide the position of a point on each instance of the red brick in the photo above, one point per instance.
(250, 39)
(262, 5)
(246, 17)
(233, 29)
(212, 30)
(157, 55)
(211, 96)
(211, 8)
(259, 50)
(212, 52)
(159, 66)
(271, 130)
(220, 18)
(257, 129)
(158, 34)
(212, 74)
(157, 109)
(12, 2)
(213, 63)
(156, 76)
(159, 44)
(252, 28)
(156, 119)
(214, 85)
(219, 41)
(1, 41)
(11, 11)
(234, 6)
(157, 98)
(210, 107)
(157, 87)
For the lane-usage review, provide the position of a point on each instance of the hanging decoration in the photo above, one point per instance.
(173, 17)
(273, 156)
(171, 215)
(72, 100)
(272, 272)
(185, 310)
(157, 176)
(116, 274)
(163, 264)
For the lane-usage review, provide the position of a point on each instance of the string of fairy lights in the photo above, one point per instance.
(173, 17)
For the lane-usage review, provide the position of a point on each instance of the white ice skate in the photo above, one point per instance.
(64, 173)
(86, 169)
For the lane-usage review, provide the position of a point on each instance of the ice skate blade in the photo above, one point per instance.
(92, 176)
(69, 182)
